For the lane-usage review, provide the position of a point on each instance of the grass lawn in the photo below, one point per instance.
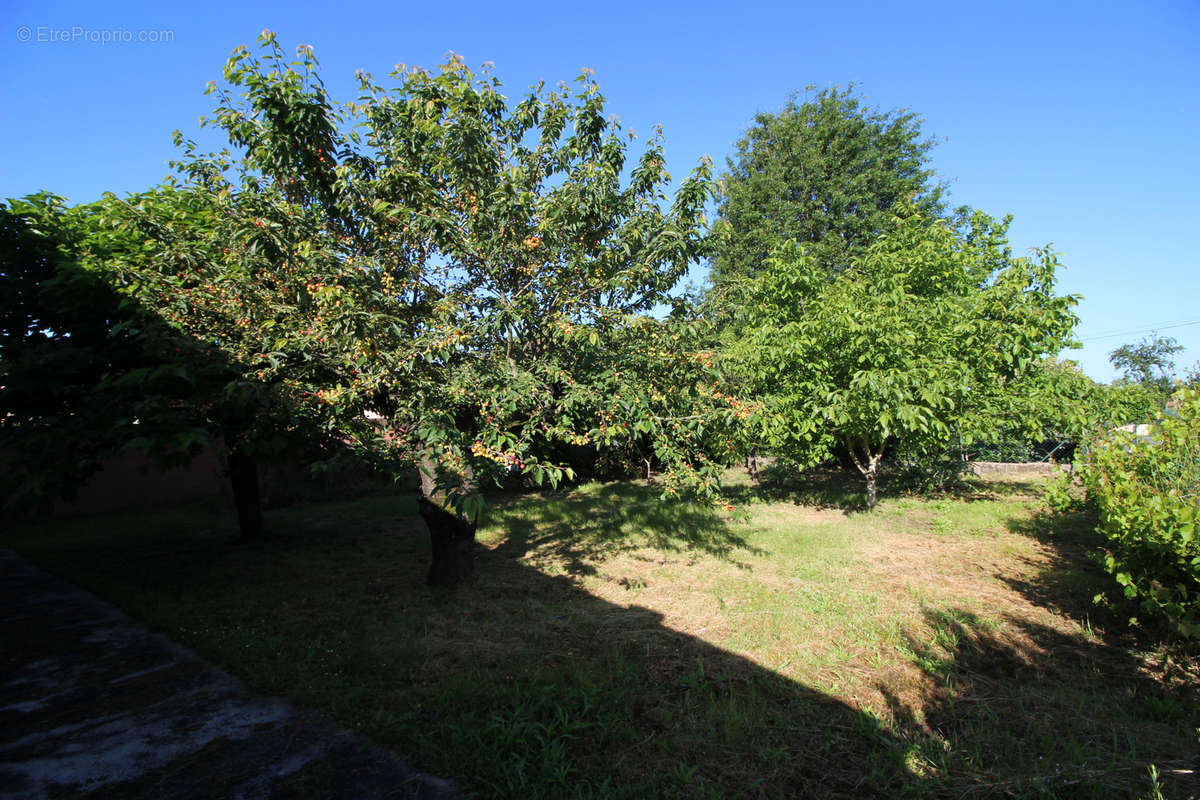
(615, 646)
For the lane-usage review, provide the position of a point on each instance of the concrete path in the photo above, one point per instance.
(92, 705)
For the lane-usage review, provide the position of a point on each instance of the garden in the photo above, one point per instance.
(583, 532)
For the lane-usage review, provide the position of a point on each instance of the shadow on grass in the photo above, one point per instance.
(830, 487)
(599, 520)
(1071, 585)
(521, 684)
(1078, 586)
(972, 489)
(1078, 709)
(823, 487)
(516, 684)
(1016, 708)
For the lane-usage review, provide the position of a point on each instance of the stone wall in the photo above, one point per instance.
(1019, 470)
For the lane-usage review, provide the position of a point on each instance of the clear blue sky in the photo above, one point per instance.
(1080, 118)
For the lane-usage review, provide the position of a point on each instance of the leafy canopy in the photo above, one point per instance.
(433, 273)
(82, 372)
(1150, 362)
(899, 346)
(1053, 406)
(826, 173)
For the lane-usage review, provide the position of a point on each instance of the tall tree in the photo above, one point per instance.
(1147, 380)
(1150, 362)
(444, 279)
(825, 172)
(900, 345)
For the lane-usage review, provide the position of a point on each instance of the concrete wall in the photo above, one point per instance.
(1028, 469)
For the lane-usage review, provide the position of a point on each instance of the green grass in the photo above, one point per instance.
(615, 646)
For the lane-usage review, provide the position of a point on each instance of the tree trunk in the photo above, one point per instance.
(451, 535)
(243, 475)
(868, 465)
(752, 465)
(452, 544)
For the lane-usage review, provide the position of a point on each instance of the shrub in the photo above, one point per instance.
(927, 467)
(1147, 493)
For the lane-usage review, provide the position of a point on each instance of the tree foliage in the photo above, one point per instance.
(1147, 492)
(1150, 361)
(1044, 414)
(825, 172)
(902, 345)
(434, 274)
(71, 350)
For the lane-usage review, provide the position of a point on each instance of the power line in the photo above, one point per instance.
(1123, 330)
(1138, 330)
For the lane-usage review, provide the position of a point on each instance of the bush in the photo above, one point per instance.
(1126, 403)
(926, 468)
(1147, 493)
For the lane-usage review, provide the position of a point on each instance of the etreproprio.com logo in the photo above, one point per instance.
(76, 34)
